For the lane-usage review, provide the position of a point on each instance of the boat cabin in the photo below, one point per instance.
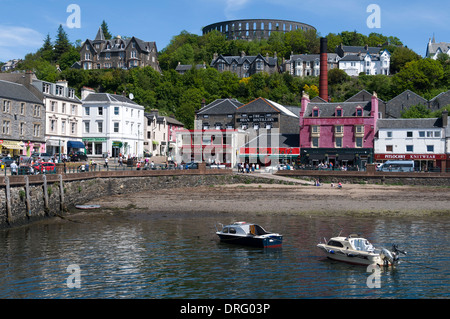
(244, 229)
(351, 242)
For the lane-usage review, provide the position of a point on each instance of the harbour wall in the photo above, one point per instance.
(25, 199)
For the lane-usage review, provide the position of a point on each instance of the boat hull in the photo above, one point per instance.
(352, 257)
(272, 241)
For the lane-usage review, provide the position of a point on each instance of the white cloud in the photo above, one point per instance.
(234, 6)
(15, 42)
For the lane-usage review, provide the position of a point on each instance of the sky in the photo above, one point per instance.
(25, 23)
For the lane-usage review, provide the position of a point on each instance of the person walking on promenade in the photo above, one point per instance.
(13, 168)
(106, 162)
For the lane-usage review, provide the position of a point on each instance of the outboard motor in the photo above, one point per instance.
(392, 257)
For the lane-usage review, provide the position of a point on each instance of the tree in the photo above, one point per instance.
(416, 112)
(47, 49)
(105, 30)
(62, 44)
(400, 56)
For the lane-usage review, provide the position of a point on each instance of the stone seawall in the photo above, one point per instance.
(54, 195)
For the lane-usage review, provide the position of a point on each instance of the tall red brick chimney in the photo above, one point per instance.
(323, 80)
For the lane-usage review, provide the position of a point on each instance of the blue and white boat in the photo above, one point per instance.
(249, 234)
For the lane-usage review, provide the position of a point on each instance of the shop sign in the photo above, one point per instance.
(270, 151)
(416, 157)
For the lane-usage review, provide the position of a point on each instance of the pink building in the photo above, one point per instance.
(340, 134)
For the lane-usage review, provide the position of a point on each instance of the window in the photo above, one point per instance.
(87, 111)
(421, 133)
(205, 116)
(63, 108)
(52, 125)
(315, 112)
(410, 148)
(100, 127)
(87, 56)
(46, 88)
(389, 148)
(429, 133)
(74, 109)
(315, 142)
(430, 148)
(116, 110)
(59, 90)
(338, 142)
(409, 134)
(22, 129)
(359, 129)
(100, 110)
(116, 127)
(5, 127)
(359, 111)
(73, 128)
(37, 130)
(315, 129)
(53, 106)
(389, 134)
(6, 106)
(37, 111)
(22, 108)
(63, 127)
(437, 134)
(86, 127)
(338, 129)
(339, 112)
(359, 142)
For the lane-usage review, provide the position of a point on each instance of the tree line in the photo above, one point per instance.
(180, 96)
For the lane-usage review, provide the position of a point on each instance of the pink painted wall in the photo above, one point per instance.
(327, 124)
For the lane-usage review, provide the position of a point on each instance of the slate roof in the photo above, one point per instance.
(352, 50)
(264, 106)
(18, 92)
(221, 107)
(441, 100)
(329, 109)
(402, 102)
(107, 97)
(433, 47)
(409, 123)
(240, 60)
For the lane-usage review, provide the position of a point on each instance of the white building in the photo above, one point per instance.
(112, 125)
(434, 49)
(63, 117)
(421, 140)
(353, 64)
(309, 64)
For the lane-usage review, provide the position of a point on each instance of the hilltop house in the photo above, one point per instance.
(123, 53)
(245, 66)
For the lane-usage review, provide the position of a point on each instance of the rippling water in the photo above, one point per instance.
(147, 256)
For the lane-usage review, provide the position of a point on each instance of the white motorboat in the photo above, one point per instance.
(243, 233)
(355, 249)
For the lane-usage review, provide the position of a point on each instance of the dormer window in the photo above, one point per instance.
(338, 111)
(315, 112)
(359, 111)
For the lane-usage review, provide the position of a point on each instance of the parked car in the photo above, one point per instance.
(44, 167)
(7, 161)
(78, 156)
(44, 157)
(191, 165)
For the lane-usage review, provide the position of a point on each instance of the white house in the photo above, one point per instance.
(353, 64)
(309, 64)
(63, 117)
(112, 125)
(434, 49)
(421, 140)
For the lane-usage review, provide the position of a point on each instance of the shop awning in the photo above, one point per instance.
(346, 157)
(12, 145)
(75, 144)
(317, 157)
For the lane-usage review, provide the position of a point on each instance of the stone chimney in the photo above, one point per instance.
(444, 118)
(323, 78)
(85, 91)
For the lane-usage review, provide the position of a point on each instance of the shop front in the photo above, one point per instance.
(12, 148)
(422, 162)
(269, 156)
(94, 145)
(336, 158)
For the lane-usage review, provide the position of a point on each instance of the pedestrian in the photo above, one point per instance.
(13, 168)
(120, 161)
(106, 162)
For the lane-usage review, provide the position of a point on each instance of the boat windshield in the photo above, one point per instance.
(361, 244)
